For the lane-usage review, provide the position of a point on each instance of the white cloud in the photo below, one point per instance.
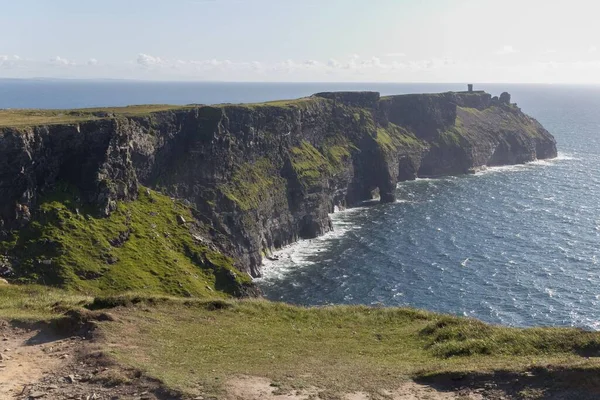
(59, 61)
(374, 62)
(395, 55)
(350, 68)
(550, 51)
(333, 63)
(311, 63)
(257, 65)
(147, 60)
(9, 61)
(506, 49)
(592, 49)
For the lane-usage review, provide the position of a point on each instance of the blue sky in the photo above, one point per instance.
(302, 40)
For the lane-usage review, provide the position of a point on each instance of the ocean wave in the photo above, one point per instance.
(520, 167)
(297, 255)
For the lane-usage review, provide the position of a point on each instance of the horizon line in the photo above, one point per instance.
(292, 82)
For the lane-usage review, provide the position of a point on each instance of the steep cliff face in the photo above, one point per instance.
(262, 176)
(93, 156)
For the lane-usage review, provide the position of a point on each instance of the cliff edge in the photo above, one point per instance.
(253, 177)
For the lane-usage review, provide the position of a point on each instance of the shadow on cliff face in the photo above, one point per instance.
(264, 175)
(537, 383)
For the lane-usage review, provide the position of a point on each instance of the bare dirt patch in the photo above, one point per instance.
(39, 363)
(257, 388)
(25, 357)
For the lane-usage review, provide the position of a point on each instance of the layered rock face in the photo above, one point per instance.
(265, 175)
(93, 156)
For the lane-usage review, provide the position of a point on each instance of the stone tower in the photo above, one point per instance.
(470, 86)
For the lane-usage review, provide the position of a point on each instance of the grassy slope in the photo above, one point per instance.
(35, 117)
(33, 303)
(507, 119)
(196, 346)
(140, 247)
(337, 348)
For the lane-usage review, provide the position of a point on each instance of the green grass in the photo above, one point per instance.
(393, 137)
(37, 117)
(301, 103)
(33, 303)
(449, 337)
(452, 136)
(140, 247)
(310, 165)
(33, 117)
(252, 183)
(196, 345)
(339, 348)
(337, 154)
(498, 118)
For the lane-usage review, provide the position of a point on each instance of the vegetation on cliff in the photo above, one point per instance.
(150, 244)
(392, 137)
(35, 117)
(311, 166)
(251, 183)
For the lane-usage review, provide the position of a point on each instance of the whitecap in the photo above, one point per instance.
(298, 254)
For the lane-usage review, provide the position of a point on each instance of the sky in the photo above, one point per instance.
(519, 41)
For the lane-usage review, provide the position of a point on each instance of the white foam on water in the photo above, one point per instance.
(520, 167)
(501, 168)
(297, 255)
(484, 170)
(565, 156)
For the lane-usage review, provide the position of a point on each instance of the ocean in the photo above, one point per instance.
(515, 245)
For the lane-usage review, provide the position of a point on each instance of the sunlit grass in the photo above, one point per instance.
(347, 348)
(36, 303)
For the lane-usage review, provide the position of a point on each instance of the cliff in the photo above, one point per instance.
(256, 176)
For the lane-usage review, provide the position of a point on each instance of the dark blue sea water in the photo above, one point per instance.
(511, 245)
(44, 93)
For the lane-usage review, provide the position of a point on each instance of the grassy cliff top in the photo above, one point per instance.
(36, 117)
(39, 117)
(199, 347)
(475, 93)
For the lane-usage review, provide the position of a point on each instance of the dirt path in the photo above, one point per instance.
(26, 357)
(256, 388)
(39, 364)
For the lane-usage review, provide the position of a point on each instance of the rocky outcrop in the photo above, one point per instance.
(263, 176)
(93, 156)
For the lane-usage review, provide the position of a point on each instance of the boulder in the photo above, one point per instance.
(505, 98)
